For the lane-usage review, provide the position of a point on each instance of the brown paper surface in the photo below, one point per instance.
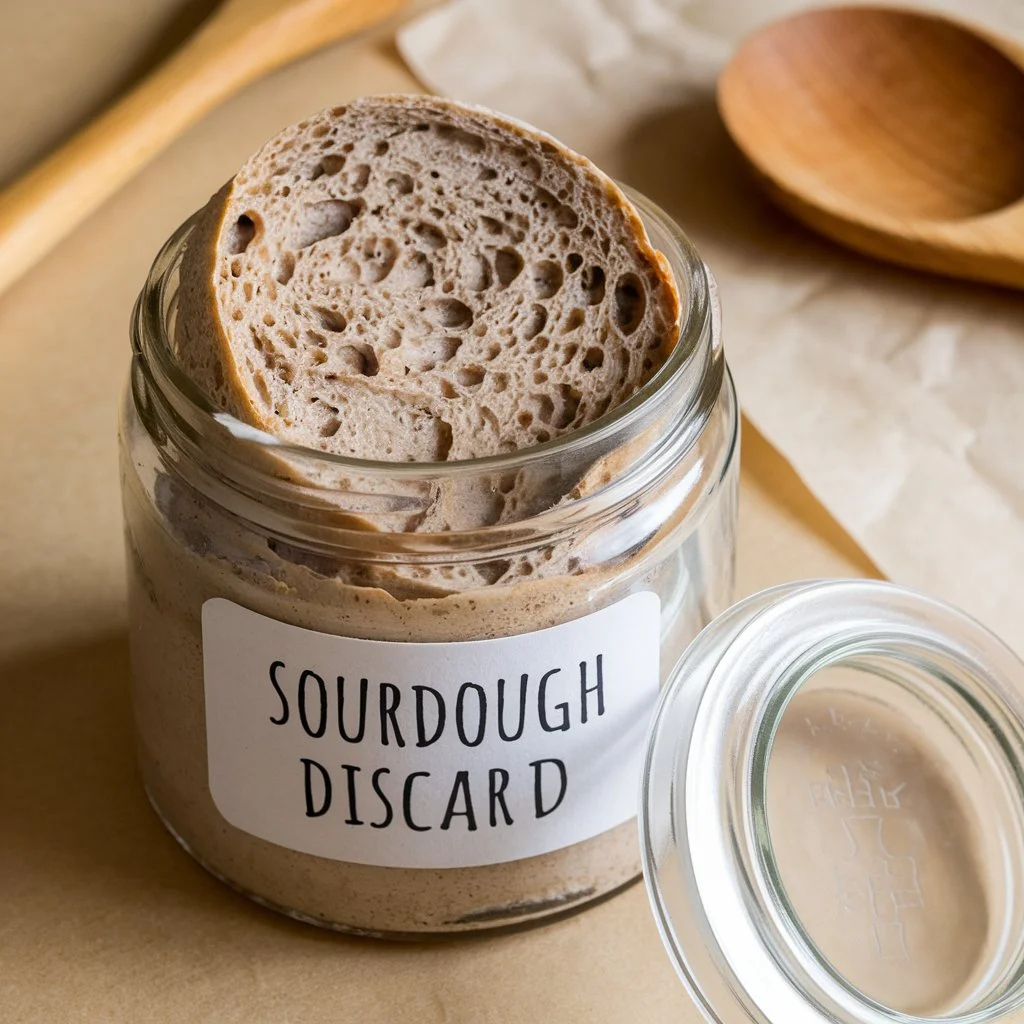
(102, 917)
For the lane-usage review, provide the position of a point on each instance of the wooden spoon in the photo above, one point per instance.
(241, 41)
(900, 134)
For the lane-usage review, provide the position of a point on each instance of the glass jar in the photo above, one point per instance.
(833, 812)
(397, 732)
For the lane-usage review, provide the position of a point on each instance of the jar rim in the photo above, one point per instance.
(733, 934)
(695, 367)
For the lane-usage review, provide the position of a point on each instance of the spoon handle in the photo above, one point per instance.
(235, 46)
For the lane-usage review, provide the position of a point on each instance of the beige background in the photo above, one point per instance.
(102, 917)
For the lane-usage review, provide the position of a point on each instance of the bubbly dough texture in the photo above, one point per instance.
(409, 279)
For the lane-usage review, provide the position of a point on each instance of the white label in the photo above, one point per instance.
(433, 755)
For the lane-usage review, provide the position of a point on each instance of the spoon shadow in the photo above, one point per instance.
(682, 157)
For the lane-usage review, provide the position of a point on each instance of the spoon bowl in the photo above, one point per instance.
(898, 133)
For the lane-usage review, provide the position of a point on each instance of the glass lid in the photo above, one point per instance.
(833, 812)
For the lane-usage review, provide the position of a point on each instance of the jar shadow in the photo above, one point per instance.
(80, 841)
(90, 879)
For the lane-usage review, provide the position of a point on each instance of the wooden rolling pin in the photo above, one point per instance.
(241, 41)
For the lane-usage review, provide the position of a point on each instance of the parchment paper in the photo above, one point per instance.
(899, 397)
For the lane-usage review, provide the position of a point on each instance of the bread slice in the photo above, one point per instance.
(410, 279)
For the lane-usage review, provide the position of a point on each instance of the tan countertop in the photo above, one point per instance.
(102, 917)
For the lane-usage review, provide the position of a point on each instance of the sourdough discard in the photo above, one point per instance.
(408, 279)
